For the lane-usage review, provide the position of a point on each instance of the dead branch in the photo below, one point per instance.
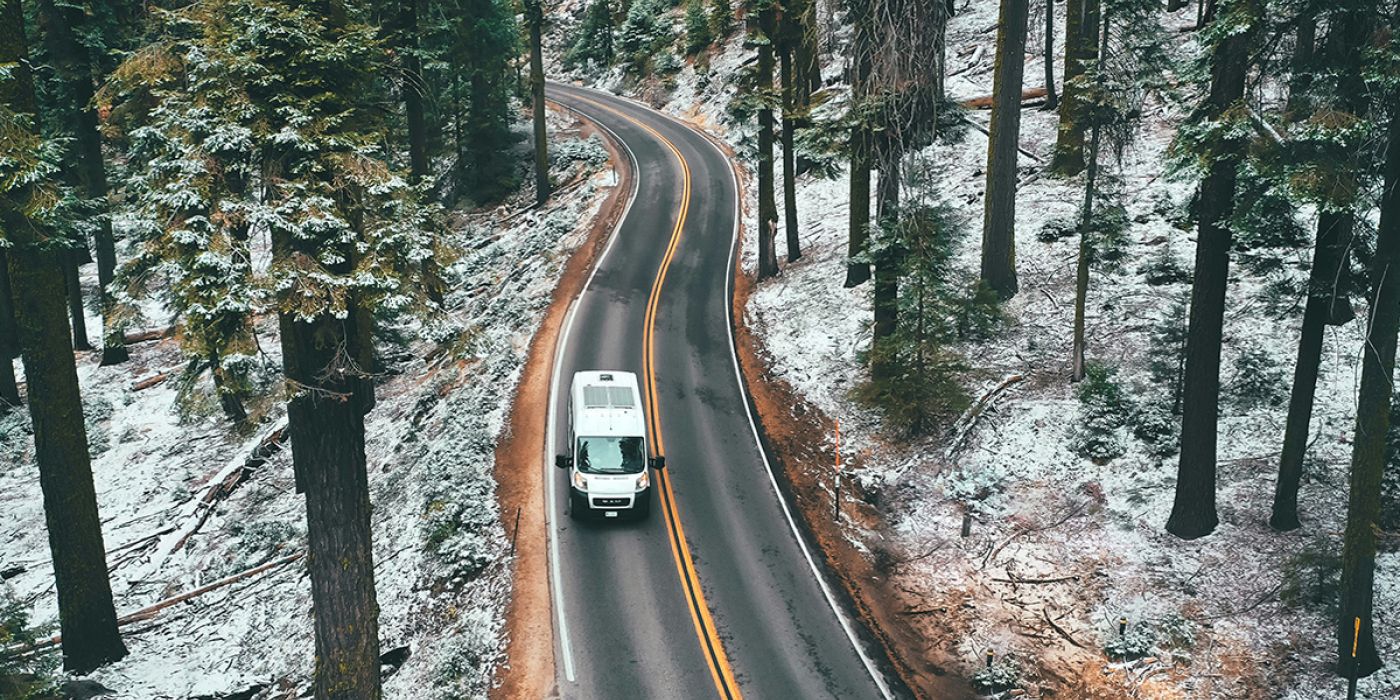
(1023, 531)
(988, 134)
(150, 611)
(1014, 579)
(968, 420)
(1045, 612)
(154, 379)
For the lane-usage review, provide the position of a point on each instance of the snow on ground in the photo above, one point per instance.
(1059, 537)
(441, 552)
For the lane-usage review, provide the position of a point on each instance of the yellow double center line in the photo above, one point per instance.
(705, 629)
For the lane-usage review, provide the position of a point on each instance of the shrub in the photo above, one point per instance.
(923, 388)
(21, 679)
(1313, 576)
(1258, 382)
(1154, 424)
(1164, 268)
(1166, 362)
(1103, 414)
(593, 44)
(1002, 675)
(697, 28)
(977, 314)
(646, 31)
(1137, 641)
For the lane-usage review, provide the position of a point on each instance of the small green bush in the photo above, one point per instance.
(1154, 424)
(1103, 412)
(1313, 576)
(1259, 381)
(923, 390)
(1002, 675)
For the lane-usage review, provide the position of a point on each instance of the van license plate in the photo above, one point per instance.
(610, 514)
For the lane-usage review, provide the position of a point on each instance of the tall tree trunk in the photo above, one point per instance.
(1052, 100)
(9, 340)
(999, 220)
(534, 17)
(1079, 347)
(1193, 511)
(85, 164)
(887, 262)
(794, 245)
(87, 617)
(1081, 47)
(1304, 41)
(767, 202)
(1327, 281)
(857, 268)
(73, 289)
(1372, 426)
(413, 85)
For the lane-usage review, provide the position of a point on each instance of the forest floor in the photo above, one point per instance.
(182, 508)
(1062, 547)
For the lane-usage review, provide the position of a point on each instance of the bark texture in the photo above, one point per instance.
(534, 17)
(9, 339)
(791, 225)
(857, 268)
(767, 202)
(87, 617)
(1372, 425)
(1081, 49)
(418, 164)
(1193, 510)
(999, 219)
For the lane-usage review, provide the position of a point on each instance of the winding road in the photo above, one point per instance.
(718, 592)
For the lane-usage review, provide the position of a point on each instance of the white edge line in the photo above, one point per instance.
(566, 648)
(841, 617)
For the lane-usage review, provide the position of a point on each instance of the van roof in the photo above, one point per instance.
(607, 404)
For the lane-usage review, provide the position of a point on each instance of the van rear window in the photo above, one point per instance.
(611, 455)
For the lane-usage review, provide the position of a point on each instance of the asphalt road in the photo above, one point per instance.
(715, 593)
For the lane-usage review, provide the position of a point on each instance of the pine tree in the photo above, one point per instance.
(697, 28)
(407, 44)
(999, 222)
(87, 616)
(1052, 100)
(1355, 628)
(485, 41)
(593, 45)
(1234, 26)
(791, 36)
(1339, 163)
(84, 162)
(721, 19)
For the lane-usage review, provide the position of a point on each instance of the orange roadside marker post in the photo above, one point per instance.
(1355, 642)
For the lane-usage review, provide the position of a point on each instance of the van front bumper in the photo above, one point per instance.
(581, 501)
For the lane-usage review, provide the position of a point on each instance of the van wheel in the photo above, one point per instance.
(578, 507)
(643, 507)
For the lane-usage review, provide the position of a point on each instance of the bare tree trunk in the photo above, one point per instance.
(1355, 628)
(999, 221)
(858, 269)
(418, 164)
(794, 244)
(9, 340)
(1081, 30)
(85, 165)
(534, 16)
(767, 203)
(87, 616)
(1081, 275)
(1193, 511)
(887, 261)
(1305, 40)
(1052, 100)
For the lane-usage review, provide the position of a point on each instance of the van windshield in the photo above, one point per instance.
(611, 455)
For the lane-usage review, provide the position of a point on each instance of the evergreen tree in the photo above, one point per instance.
(645, 33)
(347, 237)
(84, 163)
(1339, 159)
(34, 255)
(593, 45)
(9, 340)
(408, 46)
(484, 43)
(1356, 642)
(857, 266)
(697, 28)
(1216, 138)
(999, 222)
(721, 19)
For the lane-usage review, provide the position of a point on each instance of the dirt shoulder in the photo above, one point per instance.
(796, 434)
(529, 668)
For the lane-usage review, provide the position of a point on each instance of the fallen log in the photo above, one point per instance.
(148, 335)
(154, 380)
(968, 420)
(985, 101)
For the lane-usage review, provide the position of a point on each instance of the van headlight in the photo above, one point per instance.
(580, 481)
(643, 481)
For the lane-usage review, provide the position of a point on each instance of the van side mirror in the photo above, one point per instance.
(563, 461)
(658, 462)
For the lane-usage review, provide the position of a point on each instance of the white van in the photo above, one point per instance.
(607, 451)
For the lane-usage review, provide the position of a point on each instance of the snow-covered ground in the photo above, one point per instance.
(1061, 546)
(442, 560)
